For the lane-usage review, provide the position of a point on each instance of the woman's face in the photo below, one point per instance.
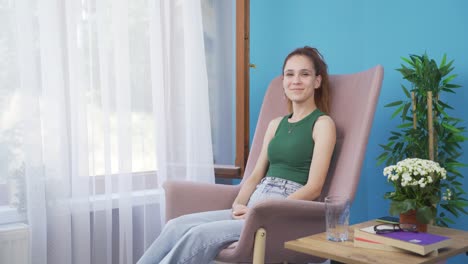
(299, 79)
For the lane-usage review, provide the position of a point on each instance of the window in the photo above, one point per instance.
(219, 22)
(10, 154)
(240, 110)
(218, 25)
(103, 114)
(11, 158)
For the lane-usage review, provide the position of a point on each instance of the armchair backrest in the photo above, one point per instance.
(353, 101)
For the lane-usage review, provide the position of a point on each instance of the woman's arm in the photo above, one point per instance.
(324, 135)
(248, 187)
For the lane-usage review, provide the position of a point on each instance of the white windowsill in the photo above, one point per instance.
(152, 196)
(98, 203)
(10, 215)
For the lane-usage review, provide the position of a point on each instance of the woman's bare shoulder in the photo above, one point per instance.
(325, 120)
(324, 124)
(276, 120)
(273, 125)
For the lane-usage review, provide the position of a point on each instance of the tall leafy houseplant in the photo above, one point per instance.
(428, 131)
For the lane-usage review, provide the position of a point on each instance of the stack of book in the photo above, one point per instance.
(399, 241)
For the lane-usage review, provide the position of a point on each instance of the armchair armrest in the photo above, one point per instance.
(283, 220)
(185, 197)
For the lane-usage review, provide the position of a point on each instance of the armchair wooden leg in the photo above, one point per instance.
(259, 246)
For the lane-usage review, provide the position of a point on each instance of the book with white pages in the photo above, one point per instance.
(418, 242)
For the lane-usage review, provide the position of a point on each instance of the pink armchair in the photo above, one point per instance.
(270, 223)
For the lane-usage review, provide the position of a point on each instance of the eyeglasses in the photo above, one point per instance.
(390, 228)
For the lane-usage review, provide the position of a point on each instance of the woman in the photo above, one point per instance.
(293, 164)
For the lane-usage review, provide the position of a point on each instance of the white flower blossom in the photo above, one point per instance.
(416, 172)
(422, 182)
(406, 176)
(447, 194)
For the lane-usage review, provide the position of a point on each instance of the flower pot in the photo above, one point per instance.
(410, 218)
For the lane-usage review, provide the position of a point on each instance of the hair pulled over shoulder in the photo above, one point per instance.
(322, 94)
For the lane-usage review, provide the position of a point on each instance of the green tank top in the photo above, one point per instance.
(290, 150)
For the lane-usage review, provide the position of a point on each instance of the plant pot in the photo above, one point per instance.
(410, 218)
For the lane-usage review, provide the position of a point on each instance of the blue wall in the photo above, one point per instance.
(354, 36)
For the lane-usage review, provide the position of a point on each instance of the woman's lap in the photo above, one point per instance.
(273, 188)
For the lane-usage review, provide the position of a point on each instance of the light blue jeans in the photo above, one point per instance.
(198, 238)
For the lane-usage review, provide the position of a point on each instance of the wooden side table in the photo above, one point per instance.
(345, 252)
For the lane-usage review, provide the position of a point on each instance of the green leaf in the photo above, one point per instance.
(405, 125)
(381, 160)
(452, 86)
(407, 61)
(459, 204)
(425, 214)
(382, 157)
(397, 208)
(406, 91)
(394, 104)
(441, 223)
(397, 111)
(444, 59)
(454, 119)
(409, 204)
(445, 105)
(387, 147)
(451, 77)
(450, 210)
(456, 164)
(446, 219)
(451, 128)
(405, 110)
(448, 90)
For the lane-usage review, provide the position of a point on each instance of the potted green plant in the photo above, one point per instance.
(428, 132)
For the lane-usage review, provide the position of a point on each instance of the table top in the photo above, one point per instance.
(345, 252)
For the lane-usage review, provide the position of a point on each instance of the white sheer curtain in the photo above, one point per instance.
(111, 100)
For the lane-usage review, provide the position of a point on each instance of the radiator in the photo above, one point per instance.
(14, 244)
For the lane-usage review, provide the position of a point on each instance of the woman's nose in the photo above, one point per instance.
(297, 79)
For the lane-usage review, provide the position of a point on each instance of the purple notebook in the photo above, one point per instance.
(423, 239)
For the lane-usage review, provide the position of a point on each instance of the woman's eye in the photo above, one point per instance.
(305, 74)
(289, 74)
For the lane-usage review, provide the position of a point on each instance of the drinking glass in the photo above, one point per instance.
(337, 217)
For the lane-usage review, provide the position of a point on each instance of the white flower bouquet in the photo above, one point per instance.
(417, 184)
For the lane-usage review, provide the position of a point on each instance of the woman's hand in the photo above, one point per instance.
(239, 211)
